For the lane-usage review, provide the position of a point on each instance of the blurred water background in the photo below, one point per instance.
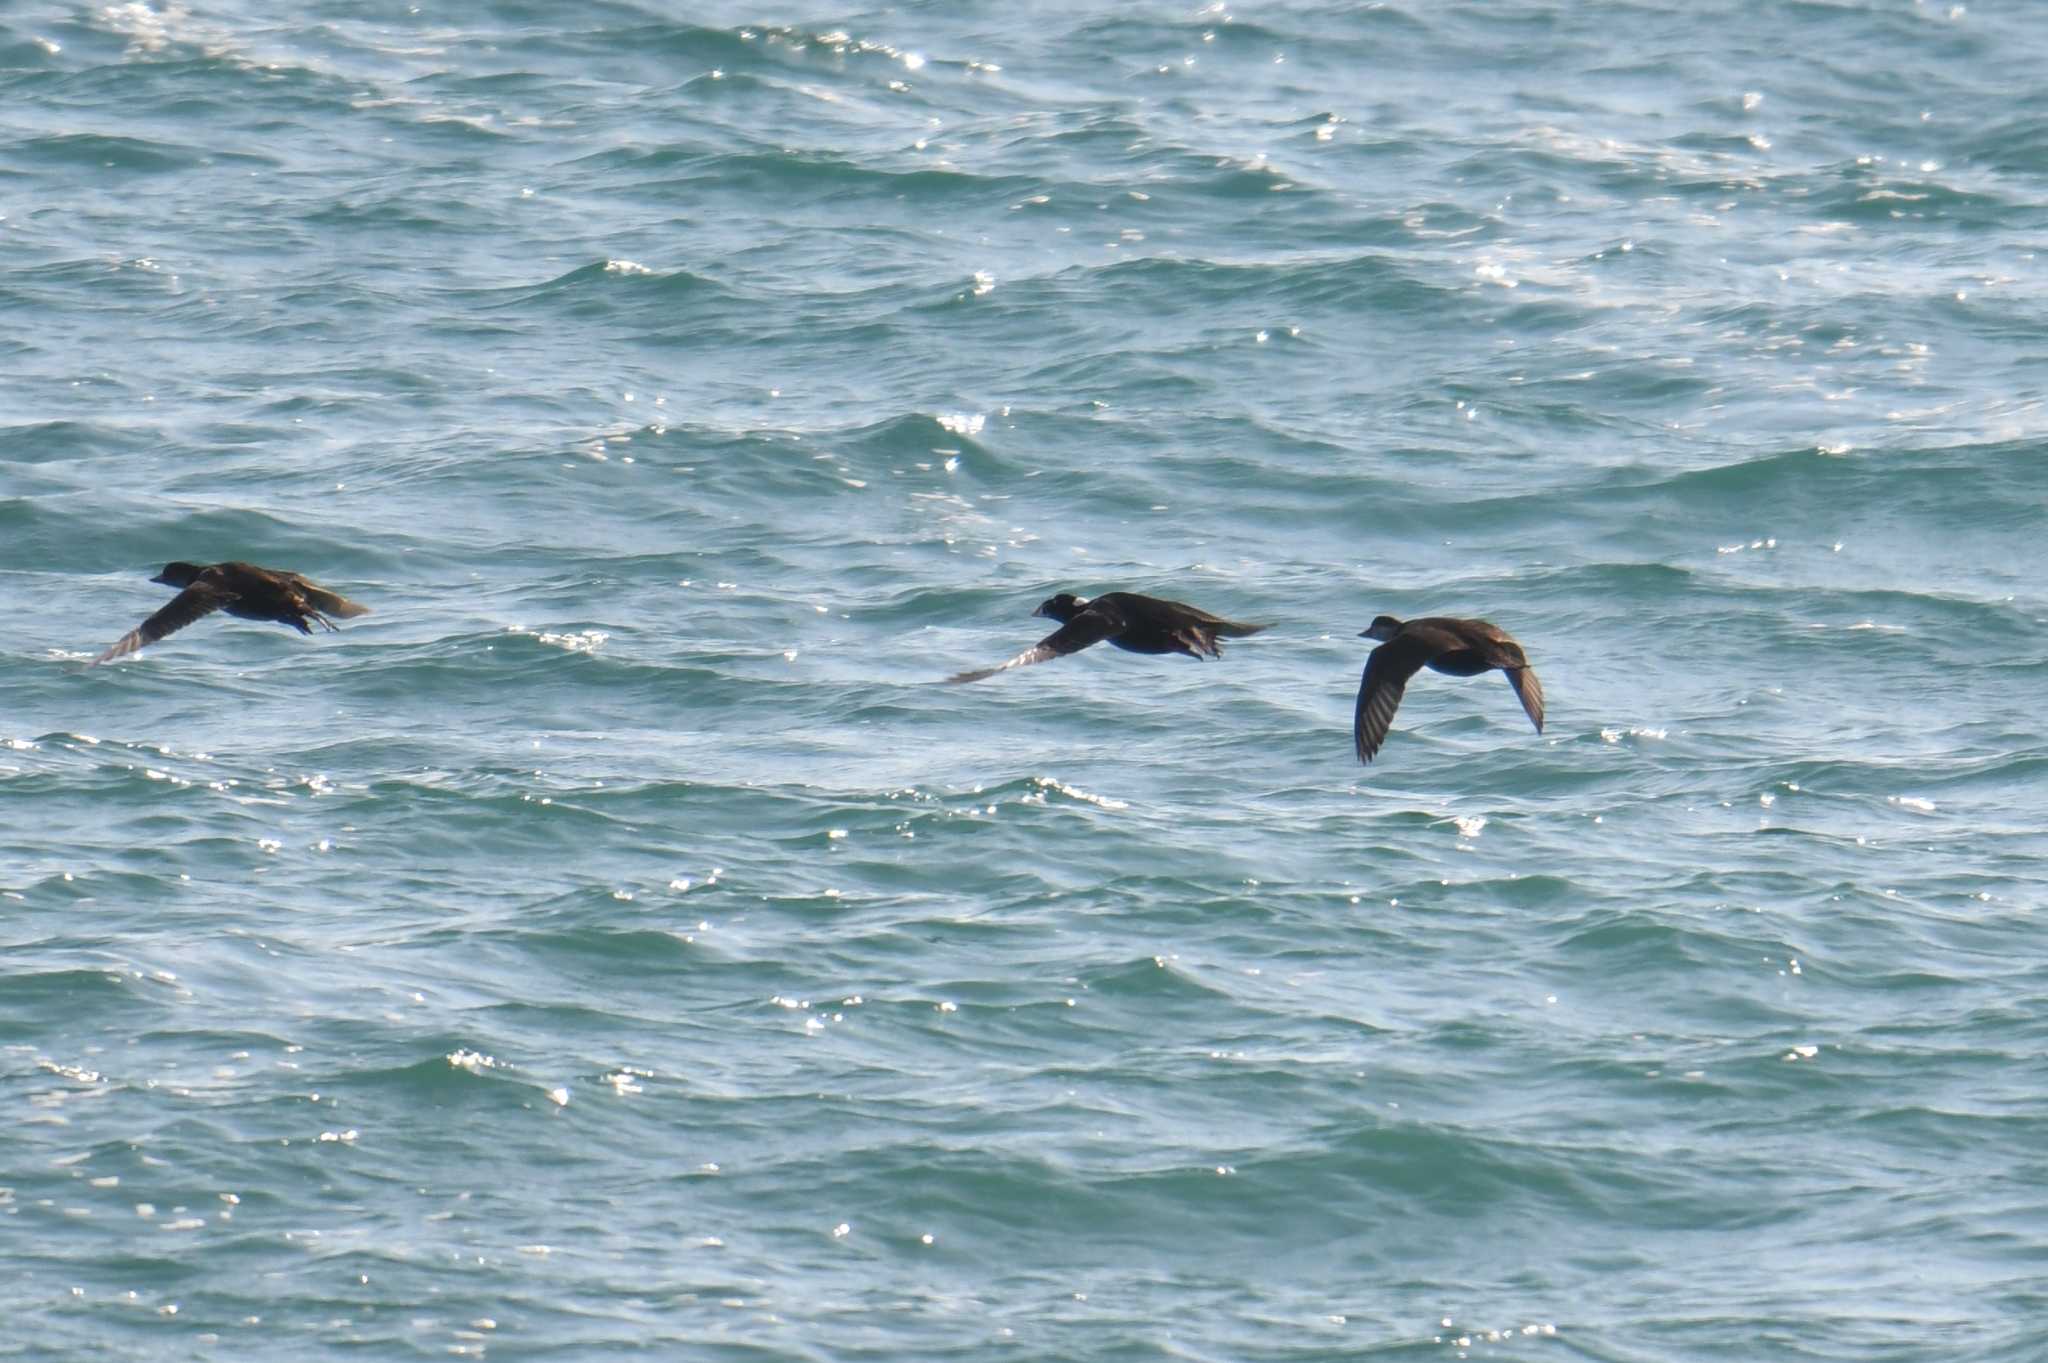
(617, 944)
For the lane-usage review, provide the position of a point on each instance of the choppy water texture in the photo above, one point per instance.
(618, 944)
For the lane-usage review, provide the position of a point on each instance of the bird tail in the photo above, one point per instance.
(1231, 629)
(332, 604)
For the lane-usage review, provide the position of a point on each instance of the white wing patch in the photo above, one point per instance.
(1036, 654)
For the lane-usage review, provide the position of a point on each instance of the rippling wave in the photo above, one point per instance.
(621, 938)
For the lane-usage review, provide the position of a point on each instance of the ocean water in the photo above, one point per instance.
(619, 943)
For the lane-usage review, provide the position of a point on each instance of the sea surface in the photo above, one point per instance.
(621, 943)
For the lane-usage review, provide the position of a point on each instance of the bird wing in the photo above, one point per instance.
(1090, 626)
(195, 602)
(1529, 691)
(1387, 670)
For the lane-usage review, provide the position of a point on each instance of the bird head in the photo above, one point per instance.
(1062, 607)
(1384, 628)
(178, 574)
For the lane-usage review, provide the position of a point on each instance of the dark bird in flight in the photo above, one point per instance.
(1140, 624)
(240, 589)
(1462, 648)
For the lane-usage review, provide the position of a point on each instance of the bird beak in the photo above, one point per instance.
(1039, 611)
(1365, 634)
(161, 578)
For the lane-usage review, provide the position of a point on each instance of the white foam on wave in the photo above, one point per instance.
(1616, 735)
(1045, 783)
(153, 28)
(1493, 272)
(147, 28)
(583, 641)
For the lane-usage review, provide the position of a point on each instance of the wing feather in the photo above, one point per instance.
(1529, 691)
(1087, 627)
(194, 603)
(1387, 670)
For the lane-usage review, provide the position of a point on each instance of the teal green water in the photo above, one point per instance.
(619, 943)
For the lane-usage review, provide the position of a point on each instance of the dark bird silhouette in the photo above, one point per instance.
(240, 589)
(1140, 624)
(1462, 648)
